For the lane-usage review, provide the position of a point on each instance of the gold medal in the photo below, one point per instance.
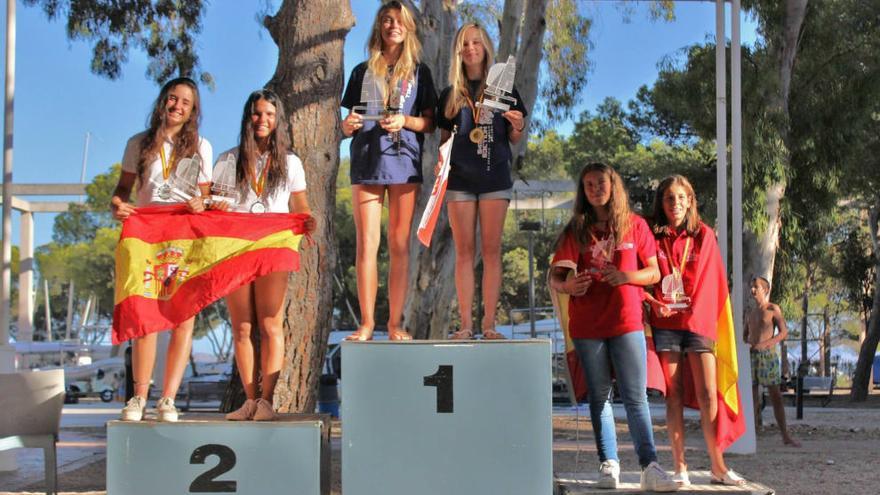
(477, 135)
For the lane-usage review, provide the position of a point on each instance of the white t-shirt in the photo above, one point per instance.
(277, 201)
(148, 191)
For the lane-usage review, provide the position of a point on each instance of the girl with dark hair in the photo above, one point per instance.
(685, 308)
(386, 151)
(479, 180)
(150, 159)
(269, 179)
(610, 254)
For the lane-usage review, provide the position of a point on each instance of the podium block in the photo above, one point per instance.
(441, 418)
(206, 454)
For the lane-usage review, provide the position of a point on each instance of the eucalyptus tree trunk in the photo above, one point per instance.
(511, 19)
(862, 375)
(431, 295)
(528, 56)
(310, 35)
(762, 241)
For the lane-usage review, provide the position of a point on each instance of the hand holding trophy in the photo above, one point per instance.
(223, 190)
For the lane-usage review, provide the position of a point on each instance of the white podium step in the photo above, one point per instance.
(585, 483)
(207, 454)
(441, 417)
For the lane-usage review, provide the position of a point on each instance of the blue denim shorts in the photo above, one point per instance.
(681, 341)
(469, 196)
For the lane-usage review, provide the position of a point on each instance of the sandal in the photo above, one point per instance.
(492, 334)
(463, 334)
(730, 478)
(398, 335)
(360, 335)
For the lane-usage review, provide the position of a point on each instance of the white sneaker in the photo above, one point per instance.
(165, 410)
(609, 474)
(655, 479)
(134, 409)
(682, 478)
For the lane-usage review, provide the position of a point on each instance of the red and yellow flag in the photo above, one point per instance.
(170, 263)
(711, 316)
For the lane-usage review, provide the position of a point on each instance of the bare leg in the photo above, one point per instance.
(401, 205)
(702, 367)
(756, 401)
(179, 348)
(241, 312)
(143, 357)
(492, 214)
(670, 361)
(269, 292)
(463, 220)
(367, 209)
(779, 412)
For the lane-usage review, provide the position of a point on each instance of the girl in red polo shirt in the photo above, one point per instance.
(688, 257)
(612, 254)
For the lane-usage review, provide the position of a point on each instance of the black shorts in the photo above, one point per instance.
(681, 341)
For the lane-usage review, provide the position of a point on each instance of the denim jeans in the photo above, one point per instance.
(628, 356)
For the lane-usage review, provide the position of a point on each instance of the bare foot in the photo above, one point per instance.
(397, 333)
(463, 334)
(792, 442)
(362, 334)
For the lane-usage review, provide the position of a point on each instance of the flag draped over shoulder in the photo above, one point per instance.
(577, 382)
(711, 309)
(170, 263)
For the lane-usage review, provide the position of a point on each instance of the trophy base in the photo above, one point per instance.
(679, 305)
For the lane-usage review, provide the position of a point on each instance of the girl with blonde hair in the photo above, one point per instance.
(480, 185)
(386, 152)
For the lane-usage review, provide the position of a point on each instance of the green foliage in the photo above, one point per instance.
(566, 47)
(164, 29)
(81, 221)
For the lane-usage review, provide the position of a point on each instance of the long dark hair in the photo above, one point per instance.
(279, 144)
(659, 222)
(583, 215)
(186, 142)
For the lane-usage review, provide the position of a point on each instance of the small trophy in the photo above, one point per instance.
(183, 182)
(672, 286)
(499, 86)
(223, 184)
(371, 95)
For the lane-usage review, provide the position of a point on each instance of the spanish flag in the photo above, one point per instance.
(711, 315)
(170, 263)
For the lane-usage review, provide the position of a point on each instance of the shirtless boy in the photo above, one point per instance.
(761, 321)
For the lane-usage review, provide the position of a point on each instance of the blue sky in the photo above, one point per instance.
(58, 99)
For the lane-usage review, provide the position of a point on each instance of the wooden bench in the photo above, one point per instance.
(816, 386)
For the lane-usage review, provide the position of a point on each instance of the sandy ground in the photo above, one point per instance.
(841, 445)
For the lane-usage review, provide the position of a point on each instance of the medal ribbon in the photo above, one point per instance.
(166, 166)
(475, 110)
(684, 254)
(258, 184)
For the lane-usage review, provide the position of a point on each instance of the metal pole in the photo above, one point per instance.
(7, 353)
(721, 126)
(534, 332)
(69, 310)
(82, 175)
(6, 276)
(747, 443)
(48, 311)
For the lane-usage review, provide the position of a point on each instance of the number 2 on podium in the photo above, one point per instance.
(207, 482)
(442, 379)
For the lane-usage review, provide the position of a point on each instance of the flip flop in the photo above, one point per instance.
(491, 334)
(399, 335)
(463, 334)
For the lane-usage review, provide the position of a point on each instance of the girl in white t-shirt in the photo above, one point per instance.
(268, 179)
(151, 158)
